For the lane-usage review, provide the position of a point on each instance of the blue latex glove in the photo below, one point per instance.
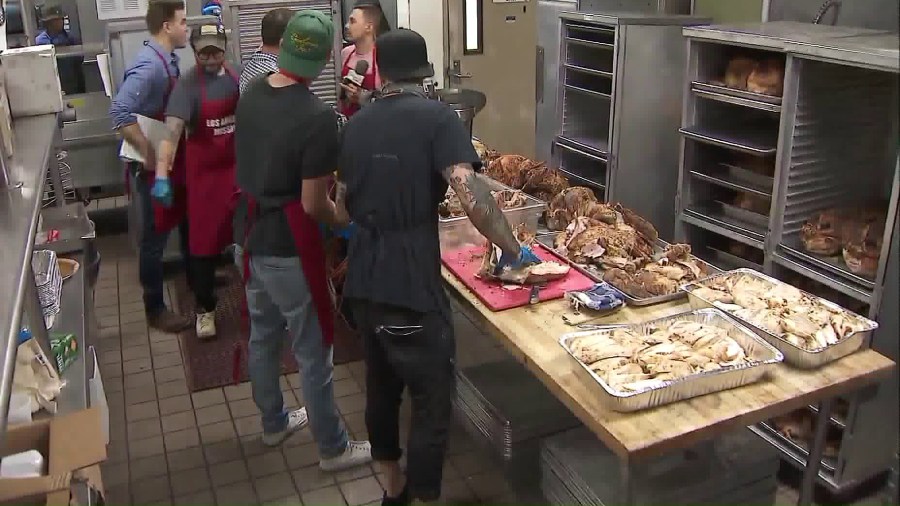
(525, 258)
(346, 232)
(162, 191)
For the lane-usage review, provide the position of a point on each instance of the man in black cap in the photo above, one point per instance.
(398, 156)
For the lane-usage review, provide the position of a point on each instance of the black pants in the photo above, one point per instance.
(407, 349)
(153, 245)
(203, 282)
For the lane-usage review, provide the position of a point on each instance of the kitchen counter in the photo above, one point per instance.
(531, 334)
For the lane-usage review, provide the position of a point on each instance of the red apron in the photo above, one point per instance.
(165, 218)
(311, 250)
(210, 166)
(346, 107)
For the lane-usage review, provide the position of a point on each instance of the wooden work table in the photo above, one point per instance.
(531, 334)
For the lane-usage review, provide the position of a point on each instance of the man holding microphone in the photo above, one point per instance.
(359, 68)
(204, 103)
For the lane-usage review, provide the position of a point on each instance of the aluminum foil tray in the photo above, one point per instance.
(531, 204)
(596, 273)
(763, 357)
(793, 355)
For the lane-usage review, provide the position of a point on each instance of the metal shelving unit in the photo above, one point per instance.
(615, 126)
(830, 141)
(24, 177)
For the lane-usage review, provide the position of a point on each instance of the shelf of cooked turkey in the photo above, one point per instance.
(846, 241)
(752, 79)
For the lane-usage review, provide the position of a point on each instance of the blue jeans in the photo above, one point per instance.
(152, 245)
(278, 294)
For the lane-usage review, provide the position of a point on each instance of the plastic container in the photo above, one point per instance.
(19, 408)
(456, 233)
(28, 464)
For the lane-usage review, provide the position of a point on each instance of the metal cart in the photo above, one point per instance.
(756, 167)
(616, 124)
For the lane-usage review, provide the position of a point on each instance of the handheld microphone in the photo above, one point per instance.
(356, 75)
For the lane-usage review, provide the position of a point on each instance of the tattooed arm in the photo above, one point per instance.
(169, 146)
(478, 203)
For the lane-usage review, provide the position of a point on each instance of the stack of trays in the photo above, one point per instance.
(738, 468)
(504, 406)
(48, 281)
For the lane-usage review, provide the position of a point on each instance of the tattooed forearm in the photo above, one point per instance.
(478, 203)
(169, 146)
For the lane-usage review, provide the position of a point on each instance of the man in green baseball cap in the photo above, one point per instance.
(307, 45)
(287, 147)
(54, 20)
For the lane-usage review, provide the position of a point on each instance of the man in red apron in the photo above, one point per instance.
(366, 22)
(145, 91)
(204, 101)
(287, 145)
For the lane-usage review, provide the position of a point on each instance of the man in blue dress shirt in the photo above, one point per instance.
(145, 91)
(54, 20)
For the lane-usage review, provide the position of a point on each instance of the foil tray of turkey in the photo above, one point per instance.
(798, 356)
(761, 359)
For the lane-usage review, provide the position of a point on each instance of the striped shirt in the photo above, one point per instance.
(259, 64)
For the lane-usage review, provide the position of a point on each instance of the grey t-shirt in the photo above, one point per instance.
(184, 102)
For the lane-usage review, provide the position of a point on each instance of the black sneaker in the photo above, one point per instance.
(401, 500)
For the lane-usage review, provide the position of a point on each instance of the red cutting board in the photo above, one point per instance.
(465, 262)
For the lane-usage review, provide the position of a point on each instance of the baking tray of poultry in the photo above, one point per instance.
(749, 77)
(809, 330)
(609, 242)
(620, 283)
(670, 359)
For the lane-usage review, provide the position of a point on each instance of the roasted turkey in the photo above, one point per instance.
(767, 78)
(574, 202)
(630, 361)
(782, 310)
(854, 233)
(738, 71)
(530, 176)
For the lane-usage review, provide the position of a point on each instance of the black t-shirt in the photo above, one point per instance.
(282, 136)
(392, 158)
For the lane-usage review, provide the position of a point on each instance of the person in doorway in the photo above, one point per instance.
(145, 91)
(393, 281)
(366, 22)
(54, 20)
(287, 147)
(265, 60)
(203, 104)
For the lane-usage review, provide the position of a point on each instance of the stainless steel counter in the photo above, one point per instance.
(840, 44)
(19, 210)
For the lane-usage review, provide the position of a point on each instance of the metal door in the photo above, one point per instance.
(504, 70)
(546, 124)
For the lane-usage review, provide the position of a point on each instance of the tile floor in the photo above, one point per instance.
(172, 447)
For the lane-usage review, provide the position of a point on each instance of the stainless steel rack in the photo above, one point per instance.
(615, 124)
(831, 142)
(24, 177)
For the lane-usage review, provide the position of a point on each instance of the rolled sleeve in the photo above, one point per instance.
(133, 95)
(182, 102)
(42, 39)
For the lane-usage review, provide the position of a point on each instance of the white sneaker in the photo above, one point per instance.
(206, 325)
(297, 419)
(356, 454)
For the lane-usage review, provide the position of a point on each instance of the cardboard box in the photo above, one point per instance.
(32, 80)
(71, 444)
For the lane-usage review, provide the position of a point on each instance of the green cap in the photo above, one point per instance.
(307, 44)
